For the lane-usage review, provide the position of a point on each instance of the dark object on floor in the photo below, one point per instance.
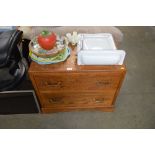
(13, 65)
(16, 102)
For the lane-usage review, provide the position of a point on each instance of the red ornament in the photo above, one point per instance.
(47, 40)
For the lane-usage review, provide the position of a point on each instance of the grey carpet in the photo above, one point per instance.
(135, 105)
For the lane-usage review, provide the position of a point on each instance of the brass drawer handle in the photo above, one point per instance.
(55, 100)
(99, 100)
(106, 83)
(53, 84)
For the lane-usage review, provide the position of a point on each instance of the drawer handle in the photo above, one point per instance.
(100, 100)
(55, 100)
(99, 83)
(53, 84)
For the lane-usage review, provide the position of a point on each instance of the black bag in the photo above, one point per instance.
(12, 63)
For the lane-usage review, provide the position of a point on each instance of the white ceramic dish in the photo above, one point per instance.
(99, 41)
(100, 57)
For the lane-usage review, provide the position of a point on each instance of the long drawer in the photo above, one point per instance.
(58, 109)
(56, 100)
(77, 81)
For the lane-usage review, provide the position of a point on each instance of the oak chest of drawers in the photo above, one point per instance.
(67, 86)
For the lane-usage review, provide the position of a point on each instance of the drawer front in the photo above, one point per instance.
(75, 81)
(56, 100)
(65, 109)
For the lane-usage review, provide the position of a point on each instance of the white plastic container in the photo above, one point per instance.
(101, 57)
(99, 41)
(98, 49)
